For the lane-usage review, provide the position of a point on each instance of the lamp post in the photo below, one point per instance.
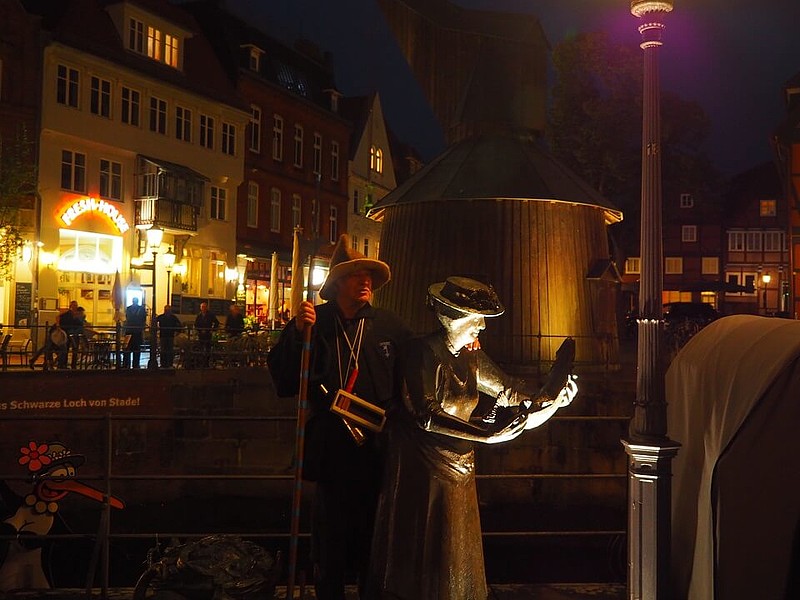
(154, 236)
(765, 279)
(169, 262)
(650, 451)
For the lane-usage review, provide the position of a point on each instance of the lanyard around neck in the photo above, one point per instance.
(354, 346)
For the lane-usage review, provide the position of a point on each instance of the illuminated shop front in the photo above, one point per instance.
(81, 257)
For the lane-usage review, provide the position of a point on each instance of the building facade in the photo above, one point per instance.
(787, 154)
(296, 157)
(139, 129)
(370, 172)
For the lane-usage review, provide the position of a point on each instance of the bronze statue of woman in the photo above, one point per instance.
(427, 543)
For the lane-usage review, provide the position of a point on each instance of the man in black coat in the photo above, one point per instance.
(354, 347)
(135, 318)
(205, 324)
(168, 325)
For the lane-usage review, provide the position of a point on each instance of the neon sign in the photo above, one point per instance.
(84, 205)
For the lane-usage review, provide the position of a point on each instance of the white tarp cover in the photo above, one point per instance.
(733, 395)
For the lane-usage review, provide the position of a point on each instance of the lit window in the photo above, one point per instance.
(673, 265)
(372, 158)
(277, 137)
(183, 124)
(736, 241)
(767, 208)
(687, 201)
(218, 200)
(296, 211)
(73, 171)
(136, 36)
(633, 265)
(252, 204)
(158, 115)
(255, 128)
(100, 97)
(154, 43)
(110, 179)
(298, 146)
(689, 233)
(710, 265)
(67, 85)
(335, 161)
(275, 210)
(207, 132)
(130, 106)
(317, 153)
(229, 139)
(171, 50)
(333, 222)
(379, 160)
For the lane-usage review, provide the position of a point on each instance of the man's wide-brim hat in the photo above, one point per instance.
(467, 296)
(346, 260)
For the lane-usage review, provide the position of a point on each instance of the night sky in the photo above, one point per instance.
(732, 56)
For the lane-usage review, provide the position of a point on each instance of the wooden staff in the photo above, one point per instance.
(302, 410)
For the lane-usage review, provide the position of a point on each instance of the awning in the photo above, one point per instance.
(175, 168)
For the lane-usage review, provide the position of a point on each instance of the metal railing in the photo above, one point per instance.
(109, 348)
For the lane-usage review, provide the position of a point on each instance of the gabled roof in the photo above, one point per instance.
(356, 110)
(68, 21)
(497, 166)
(307, 74)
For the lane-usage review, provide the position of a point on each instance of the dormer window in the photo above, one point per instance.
(154, 42)
(254, 62)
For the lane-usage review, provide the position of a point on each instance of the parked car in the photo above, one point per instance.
(701, 313)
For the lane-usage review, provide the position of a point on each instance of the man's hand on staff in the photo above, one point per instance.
(307, 315)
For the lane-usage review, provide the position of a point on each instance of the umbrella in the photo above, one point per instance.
(273, 289)
(297, 273)
(117, 299)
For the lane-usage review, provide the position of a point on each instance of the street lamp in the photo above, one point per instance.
(154, 236)
(766, 278)
(169, 262)
(650, 451)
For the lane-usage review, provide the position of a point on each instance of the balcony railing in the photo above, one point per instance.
(166, 214)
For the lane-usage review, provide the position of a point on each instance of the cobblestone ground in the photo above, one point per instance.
(580, 591)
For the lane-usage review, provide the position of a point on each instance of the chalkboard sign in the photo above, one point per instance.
(22, 304)
(191, 306)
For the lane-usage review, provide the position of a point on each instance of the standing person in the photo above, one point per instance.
(205, 323)
(351, 340)
(54, 344)
(70, 322)
(428, 541)
(135, 318)
(168, 325)
(234, 324)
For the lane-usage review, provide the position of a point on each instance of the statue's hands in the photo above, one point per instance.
(511, 430)
(568, 392)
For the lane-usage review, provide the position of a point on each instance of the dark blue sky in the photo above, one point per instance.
(732, 56)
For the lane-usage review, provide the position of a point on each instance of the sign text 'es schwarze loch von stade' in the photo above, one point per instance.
(84, 205)
(68, 404)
